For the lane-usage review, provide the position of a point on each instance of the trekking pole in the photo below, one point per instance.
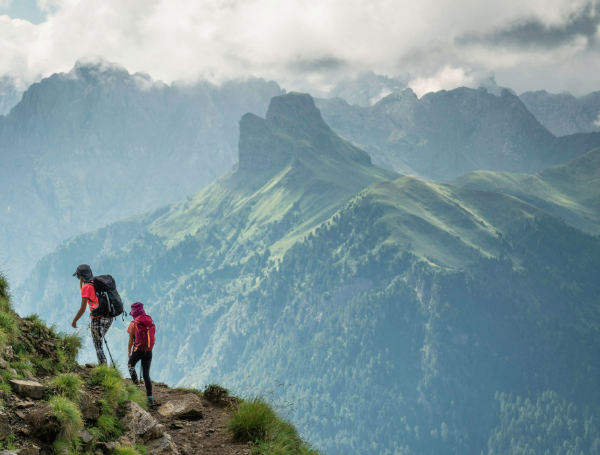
(111, 358)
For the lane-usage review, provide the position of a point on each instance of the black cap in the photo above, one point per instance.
(85, 272)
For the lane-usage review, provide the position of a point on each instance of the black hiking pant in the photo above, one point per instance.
(146, 358)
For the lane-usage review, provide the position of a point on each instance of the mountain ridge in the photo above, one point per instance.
(448, 133)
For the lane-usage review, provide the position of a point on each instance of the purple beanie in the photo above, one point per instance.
(137, 309)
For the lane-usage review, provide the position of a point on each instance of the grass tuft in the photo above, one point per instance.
(255, 421)
(252, 421)
(108, 428)
(69, 416)
(66, 385)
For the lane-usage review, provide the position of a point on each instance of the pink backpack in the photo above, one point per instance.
(145, 331)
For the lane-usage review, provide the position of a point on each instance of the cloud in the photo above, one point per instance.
(448, 78)
(534, 33)
(311, 44)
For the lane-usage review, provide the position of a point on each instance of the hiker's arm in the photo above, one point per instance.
(80, 312)
(130, 345)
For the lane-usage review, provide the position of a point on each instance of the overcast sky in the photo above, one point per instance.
(526, 44)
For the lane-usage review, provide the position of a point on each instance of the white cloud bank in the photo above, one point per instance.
(527, 44)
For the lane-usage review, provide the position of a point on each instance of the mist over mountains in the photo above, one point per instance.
(408, 317)
(88, 147)
(421, 273)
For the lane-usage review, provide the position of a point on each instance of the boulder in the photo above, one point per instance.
(161, 446)
(186, 407)
(7, 452)
(8, 352)
(27, 388)
(89, 410)
(140, 426)
(3, 363)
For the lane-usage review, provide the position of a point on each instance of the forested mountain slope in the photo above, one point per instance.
(570, 191)
(88, 147)
(405, 317)
(563, 113)
(448, 133)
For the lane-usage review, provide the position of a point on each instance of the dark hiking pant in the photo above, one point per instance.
(146, 358)
(99, 328)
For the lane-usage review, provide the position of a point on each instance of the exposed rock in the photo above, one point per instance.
(187, 407)
(186, 449)
(8, 352)
(27, 388)
(12, 371)
(44, 425)
(161, 446)
(7, 452)
(88, 409)
(85, 436)
(3, 363)
(140, 426)
(4, 426)
(33, 450)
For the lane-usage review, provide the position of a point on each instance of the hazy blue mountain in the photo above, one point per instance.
(367, 88)
(399, 316)
(88, 147)
(563, 113)
(10, 95)
(448, 133)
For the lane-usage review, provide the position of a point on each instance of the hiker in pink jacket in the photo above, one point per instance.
(141, 341)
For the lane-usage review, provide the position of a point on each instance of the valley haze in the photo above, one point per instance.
(372, 226)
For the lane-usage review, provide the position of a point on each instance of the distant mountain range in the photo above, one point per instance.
(448, 133)
(88, 147)
(400, 316)
(564, 113)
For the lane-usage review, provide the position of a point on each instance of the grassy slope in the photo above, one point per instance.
(453, 226)
(570, 191)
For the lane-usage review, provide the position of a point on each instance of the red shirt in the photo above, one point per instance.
(88, 291)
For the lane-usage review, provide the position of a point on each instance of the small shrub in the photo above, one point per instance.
(252, 421)
(71, 343)
(215, 393)
(68, 415)
(67, 385)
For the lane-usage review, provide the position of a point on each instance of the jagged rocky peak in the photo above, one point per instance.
(97, 69)
(297, 114)
(293, 126)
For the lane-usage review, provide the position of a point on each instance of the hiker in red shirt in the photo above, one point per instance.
(141, 341)
(99, 324)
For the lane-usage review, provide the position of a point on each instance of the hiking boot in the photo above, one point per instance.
(150, 401)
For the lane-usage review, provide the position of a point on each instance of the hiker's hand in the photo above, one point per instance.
(74, 324)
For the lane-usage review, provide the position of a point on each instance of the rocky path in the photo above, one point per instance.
(206, 435)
